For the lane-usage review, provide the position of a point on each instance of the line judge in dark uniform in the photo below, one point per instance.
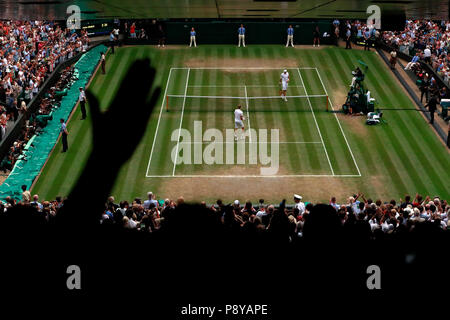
(82, 99)
(432, 106)
(64, 134)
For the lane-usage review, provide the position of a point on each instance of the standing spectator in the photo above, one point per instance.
(424, 88)
(64, 134)
(241, 35)
(393, 59)
(116, 36)
(133, 31)
(193, 33)
(348, 37)
(150, 201)
(299, 204)
(336, 34)
(161, 36)
(427, 55)
(431, 105)
(26, 195)
(366, 36)
(3, 123)
(316, 37)
(82, 99)
(290, 36)
(103, 62)
(112, 40)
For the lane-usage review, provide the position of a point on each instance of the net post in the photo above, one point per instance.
(327, 102)
(167, 103)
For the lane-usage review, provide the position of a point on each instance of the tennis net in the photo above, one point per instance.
(193, 103)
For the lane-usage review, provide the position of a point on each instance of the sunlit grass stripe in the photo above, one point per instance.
(288, 120)
(161, 161)
(119, 73)
(99, 79)
(406, 139)
(113, 61)
(338, 80)
(137, 165)
(338, 150)
(321, 123)
(304, 131)
(393, 138)
(390, 159)
(422, 130)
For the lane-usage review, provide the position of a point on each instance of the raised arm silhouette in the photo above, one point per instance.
(135, 97)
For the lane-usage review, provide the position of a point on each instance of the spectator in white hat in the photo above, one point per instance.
(299, 204)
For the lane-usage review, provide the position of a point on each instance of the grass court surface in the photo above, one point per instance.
(321, 153)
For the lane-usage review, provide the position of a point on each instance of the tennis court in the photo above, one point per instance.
(196, 119)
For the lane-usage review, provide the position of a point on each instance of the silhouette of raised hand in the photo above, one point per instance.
(122, 126)
(116, 133)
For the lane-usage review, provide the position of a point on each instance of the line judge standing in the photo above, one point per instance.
(290, 36)
(82, 99)
(64, 134)
(193, 34)
(241, 33)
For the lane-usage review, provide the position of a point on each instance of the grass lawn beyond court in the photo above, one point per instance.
(321, 154)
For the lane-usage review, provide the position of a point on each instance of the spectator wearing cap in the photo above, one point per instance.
(299, 204)
(82, 99)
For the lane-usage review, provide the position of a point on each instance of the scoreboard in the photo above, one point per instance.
(98, 27)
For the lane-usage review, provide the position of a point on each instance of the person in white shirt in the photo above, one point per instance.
(299, 204)
(239, 122)
(284, 79)
(427, 54)
(150, 201)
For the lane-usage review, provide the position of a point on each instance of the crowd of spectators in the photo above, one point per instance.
(426, 39)
(375, 218)
(29, 52)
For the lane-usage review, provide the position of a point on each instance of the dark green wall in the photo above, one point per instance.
(221, 32)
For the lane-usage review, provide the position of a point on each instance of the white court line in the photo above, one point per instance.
(248, 115)
(159, 120)
(236, 142)
(259, 176)
(315, 120)
(248, 86)
(245, 97)
(243, 68)
(345, 138)
(181, 122)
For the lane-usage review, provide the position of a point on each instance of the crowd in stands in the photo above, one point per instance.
(29, 52)
(374, 217)
(426, 39)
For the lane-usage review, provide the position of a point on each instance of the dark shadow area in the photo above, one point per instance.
(195, 254)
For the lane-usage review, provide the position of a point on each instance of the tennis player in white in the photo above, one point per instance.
(239, 122)
(284, 79)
